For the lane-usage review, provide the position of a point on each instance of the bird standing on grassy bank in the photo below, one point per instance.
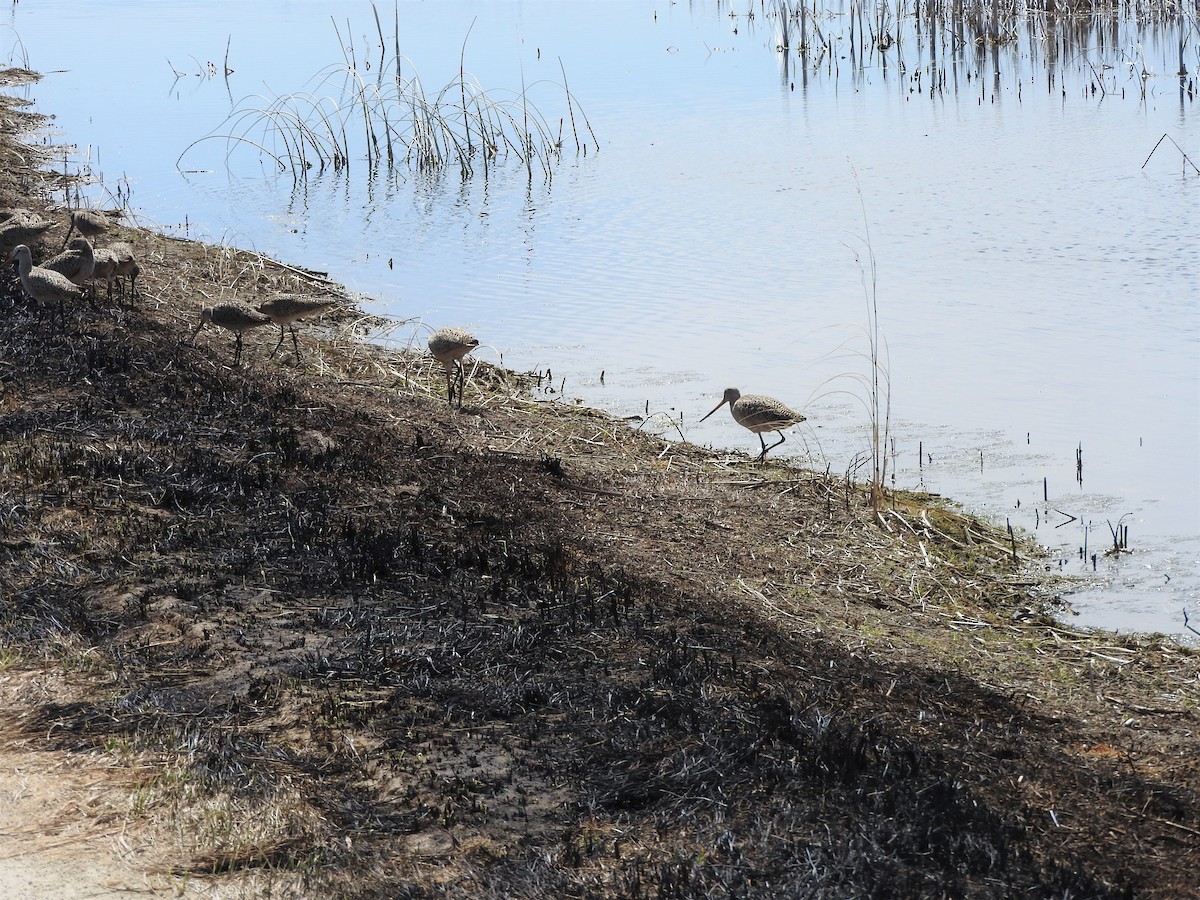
(285, 309)
(21, 227)
(449, 346)
(126, 265)
(758, 414)
(235, 316)
(43, 285)
(77, 262)
(105, 269)
(88, 222)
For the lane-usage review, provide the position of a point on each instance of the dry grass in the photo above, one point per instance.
(342, 640)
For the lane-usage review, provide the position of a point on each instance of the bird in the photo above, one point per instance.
(77, 262)
(127, 264)
(106, 267)
(285, 309)
(18, 214)
(449, 346)
(43, 285)
(88, 222)
(758, 414)
(235, 316)
(21, 228)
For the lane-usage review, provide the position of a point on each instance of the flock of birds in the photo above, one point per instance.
(284, 310)
(755, 412)
(62, 278)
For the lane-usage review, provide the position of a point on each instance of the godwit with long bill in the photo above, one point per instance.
(758, 414)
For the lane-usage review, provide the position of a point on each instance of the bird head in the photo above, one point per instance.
(731, 397)
(206, 316)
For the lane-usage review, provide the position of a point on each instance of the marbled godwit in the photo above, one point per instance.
(106, 267)
(759, 414)
(88, 222)
(77, 262)
(449, 346)
(43, 285)
(22, 228)
(286, 309)
(126, 265)
(235, 316)
(18, 214)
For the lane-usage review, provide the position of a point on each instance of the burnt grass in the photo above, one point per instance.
(523, 649)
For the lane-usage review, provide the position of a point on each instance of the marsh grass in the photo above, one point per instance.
(379, 114)
(871, 388)
(951, 47)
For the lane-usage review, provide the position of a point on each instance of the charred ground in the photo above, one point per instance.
(336, 638)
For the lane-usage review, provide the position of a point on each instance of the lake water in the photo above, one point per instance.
(1036, 264)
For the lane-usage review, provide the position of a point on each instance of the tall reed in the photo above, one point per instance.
(878, 379)
(873, 387)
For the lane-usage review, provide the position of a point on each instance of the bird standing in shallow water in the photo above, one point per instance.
(449, 346)
(286, 309)
(235, 316)
(758, 414)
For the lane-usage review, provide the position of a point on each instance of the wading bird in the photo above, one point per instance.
(285, 309)
(77, 262)
(235, 316)
(758, 414)
(106, 268)
(43, 285)
(21, 228)
(126, 265)
(449, 346)
(88, 222)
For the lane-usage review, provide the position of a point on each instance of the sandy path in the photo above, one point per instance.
(62, 821)
(60, 836)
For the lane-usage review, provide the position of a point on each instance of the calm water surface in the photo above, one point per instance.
(1035, 275)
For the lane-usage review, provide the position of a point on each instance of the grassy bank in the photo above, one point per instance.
(319, 634)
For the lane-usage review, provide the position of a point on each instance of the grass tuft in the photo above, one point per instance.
(388, 121)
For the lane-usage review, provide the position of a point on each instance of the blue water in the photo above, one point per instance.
(1035, 274)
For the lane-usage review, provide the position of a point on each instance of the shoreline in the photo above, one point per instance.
(304, 629)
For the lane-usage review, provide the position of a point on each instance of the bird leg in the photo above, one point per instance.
(765, 448)
(237, 350)
(280, 344)
(295, 343)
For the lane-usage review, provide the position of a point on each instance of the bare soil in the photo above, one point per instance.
(303, 629)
